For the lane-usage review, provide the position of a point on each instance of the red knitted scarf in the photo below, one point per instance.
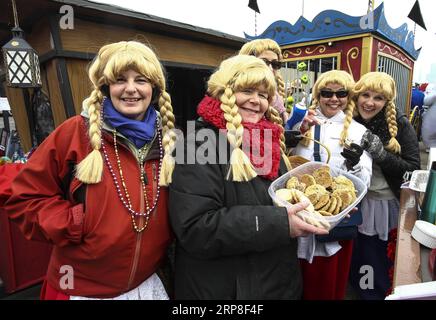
(264, 153)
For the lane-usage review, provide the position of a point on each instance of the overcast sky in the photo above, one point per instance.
(234, 17)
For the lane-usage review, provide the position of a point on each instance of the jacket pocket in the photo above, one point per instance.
(77, 195)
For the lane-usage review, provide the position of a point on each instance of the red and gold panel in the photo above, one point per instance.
(391, 51)
(348, 52)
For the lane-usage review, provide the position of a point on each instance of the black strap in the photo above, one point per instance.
(316, 154)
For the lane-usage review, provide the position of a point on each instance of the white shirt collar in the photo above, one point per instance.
(338, 117)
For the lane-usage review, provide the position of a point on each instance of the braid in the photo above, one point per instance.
(274, 117)
(90, 169)
(241, 168)
(391, 116)
(233, 118)
(348, 118)
(169, 138)
(280, 85)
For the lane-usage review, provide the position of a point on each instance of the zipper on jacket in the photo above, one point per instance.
(74, 189)
(140, 159)
(153, 166)
(135, 259)
(138, 235)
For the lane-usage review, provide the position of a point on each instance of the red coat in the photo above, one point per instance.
(93, 236)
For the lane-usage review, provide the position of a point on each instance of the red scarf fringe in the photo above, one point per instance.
(263, 154)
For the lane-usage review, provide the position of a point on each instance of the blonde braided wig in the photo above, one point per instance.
(383, 84)
(233, 75)
(256, 48)
(112, 60)
(343, 79)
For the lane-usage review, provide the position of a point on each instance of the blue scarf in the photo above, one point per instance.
(139, 132)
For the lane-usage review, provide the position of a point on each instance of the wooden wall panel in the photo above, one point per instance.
(79, 81)
(89, 37)
(54, 92)
(40, 37)
(18, 109)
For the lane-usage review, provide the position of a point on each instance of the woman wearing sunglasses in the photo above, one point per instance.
(393, 145)
(269, 51)
(325, 262)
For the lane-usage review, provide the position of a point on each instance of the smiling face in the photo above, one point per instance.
(252, 103)
(131, 94)
(331, 106)
(370, 103)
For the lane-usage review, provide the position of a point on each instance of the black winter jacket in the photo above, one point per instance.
(394, 166)
(232, 243)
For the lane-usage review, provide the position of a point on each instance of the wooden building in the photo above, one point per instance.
(188, 53)
(358, 45)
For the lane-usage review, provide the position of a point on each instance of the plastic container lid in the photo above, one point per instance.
(425, 233)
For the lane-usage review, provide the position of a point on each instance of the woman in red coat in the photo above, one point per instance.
(96, 187)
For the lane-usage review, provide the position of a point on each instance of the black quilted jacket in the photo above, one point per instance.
(232, 243)
(394, 166)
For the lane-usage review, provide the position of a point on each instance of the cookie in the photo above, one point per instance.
(323, 178)
(301, 186)
(338, 205)
(322, 168)
(292, 183)
(333, 204)
(314, 198)
(323, 200)
(307, 179)
(284, 194)
(315, 188)
(344, 180)
(326, 206)
(345, 195)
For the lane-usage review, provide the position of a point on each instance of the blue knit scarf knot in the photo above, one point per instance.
(140, 132)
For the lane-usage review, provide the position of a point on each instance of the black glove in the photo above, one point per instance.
(292, 138)
(352, 155)
(374, 146)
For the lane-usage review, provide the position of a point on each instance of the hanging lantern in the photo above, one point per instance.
(21, 60)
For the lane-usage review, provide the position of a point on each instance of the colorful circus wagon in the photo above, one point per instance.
(334, 40)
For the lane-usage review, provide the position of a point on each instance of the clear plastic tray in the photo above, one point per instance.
(308, 168)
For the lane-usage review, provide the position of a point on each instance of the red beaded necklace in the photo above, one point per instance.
(125, 198)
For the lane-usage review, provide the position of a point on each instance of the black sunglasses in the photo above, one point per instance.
(275, 64)
(338, 94)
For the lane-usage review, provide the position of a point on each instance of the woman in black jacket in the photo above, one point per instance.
(232, 243)
(393, 145)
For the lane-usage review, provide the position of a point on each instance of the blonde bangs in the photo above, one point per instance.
(339, 77)
(255, 78)
(241, 72)
(379, 82)
(136, 59)
(256, 47)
